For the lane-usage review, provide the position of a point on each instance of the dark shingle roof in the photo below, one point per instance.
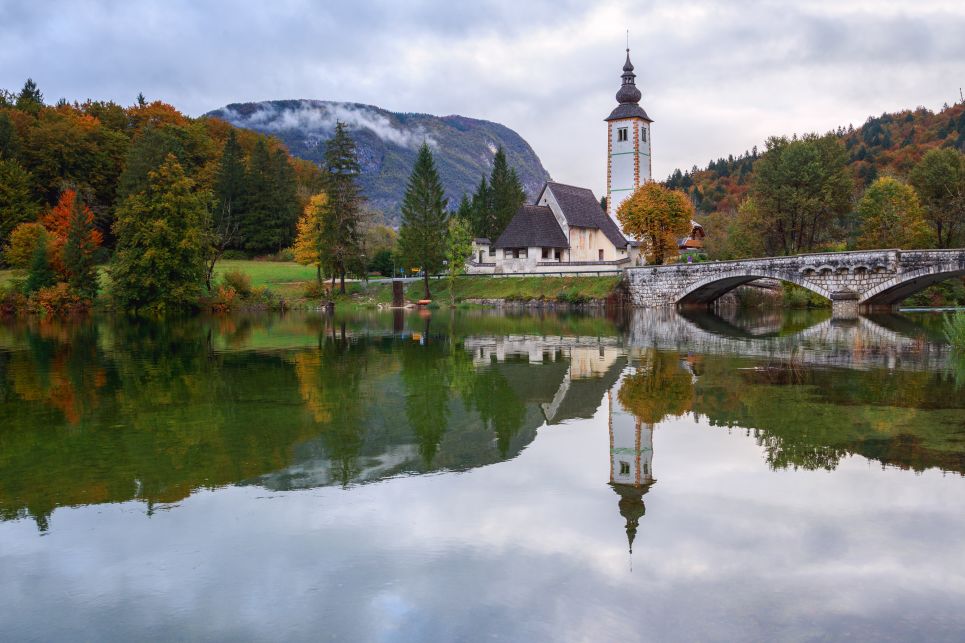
(533, 226)
(583, 210)
(628, 110)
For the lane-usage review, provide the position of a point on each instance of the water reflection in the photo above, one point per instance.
(109, 410)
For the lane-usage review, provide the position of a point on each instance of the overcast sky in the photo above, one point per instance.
(717, 77)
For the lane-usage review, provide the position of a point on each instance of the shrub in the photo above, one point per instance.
(239, 281)
(12, 301)
(955, 331)
(316, 290)
(234, 255)
(57, 300)
(224, 299)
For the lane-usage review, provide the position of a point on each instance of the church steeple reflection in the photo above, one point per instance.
(631, 464)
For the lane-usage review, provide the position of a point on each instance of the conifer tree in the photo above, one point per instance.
(30, 99)
(41, 274)
(507, 194)
(422, 236)
(161, 243)
(464, 211)
(481, 210)
(79, 251)
(341, 235)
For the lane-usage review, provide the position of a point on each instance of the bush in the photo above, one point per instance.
(955, 331)
(12, 301)
(224, 300)
(316, 290)
(234, 255)
(57, 300)
(239, 281)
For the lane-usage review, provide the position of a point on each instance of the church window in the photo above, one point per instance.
(621, 134)
(624, 468)
(643, 134)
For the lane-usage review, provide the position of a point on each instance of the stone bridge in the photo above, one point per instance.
(853, 281)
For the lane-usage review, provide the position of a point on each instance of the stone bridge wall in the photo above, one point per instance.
(877, 277)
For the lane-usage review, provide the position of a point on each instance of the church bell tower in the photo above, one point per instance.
(628, 144)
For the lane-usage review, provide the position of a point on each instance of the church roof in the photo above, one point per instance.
(628, 110)
(582, 209)
(533, 226)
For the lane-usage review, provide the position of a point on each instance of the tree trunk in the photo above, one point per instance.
(425, 276)
(341, 284)
(318, 273)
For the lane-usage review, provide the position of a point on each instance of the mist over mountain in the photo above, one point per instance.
(387, 144)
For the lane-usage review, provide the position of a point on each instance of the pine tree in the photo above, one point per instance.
(9, 143)
(481, 211)
(507, 193)
(41, 274)
(422, 236)
(79, 251)
(161, 241)
(341, 236)
(464, 211)
(30, 99)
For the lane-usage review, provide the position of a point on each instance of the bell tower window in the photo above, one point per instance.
(621, 134)
(643, 134)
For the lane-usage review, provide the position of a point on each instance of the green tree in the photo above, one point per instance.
(481, 211)
(464, 211)
(9, 141)
(891, 216)
(229, 191)
(161, 235)
(458, 251)
(341, 235)
(30, 99)
(79, 251)
(41, 274)
(422, 236)
(657, 217)
(507, 194)
(939, 179)
(149, 149)
(801, 187)
(17, 204)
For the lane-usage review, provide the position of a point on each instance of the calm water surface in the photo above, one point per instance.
(474, 476)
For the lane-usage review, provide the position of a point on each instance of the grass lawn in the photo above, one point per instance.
(267, 273)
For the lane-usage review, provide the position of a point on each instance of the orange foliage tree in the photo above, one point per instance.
(57, 223)
(658, 217)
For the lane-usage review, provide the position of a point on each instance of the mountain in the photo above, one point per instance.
(387, 144)
(886, 144)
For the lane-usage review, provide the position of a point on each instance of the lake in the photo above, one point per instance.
(481, 475)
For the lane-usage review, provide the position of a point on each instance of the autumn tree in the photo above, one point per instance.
(161, 235)
(939, 179)
(657, 217)
(308, 241)
(891, 216)
(341, 236)
(658, 388)
(422, 235)
(57, 222)
(801, 188)
(22, 243)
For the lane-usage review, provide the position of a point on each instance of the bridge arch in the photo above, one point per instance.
(905, 284)
(706, 290)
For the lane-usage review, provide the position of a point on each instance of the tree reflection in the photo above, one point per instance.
(659, 387)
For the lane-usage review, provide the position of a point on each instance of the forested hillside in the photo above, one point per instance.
(883, 145)
(105, 151)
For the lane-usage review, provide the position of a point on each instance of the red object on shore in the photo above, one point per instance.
(424, 302)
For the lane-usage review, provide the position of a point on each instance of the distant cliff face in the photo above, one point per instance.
(387, 143)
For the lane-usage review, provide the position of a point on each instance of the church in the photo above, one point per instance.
(567, 229)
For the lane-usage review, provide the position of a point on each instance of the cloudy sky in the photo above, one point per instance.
(717, 77)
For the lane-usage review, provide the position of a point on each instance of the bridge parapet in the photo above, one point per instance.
(870, 278)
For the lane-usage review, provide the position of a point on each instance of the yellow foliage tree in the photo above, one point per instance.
(891, 216)
(657, 217)
(308, 242)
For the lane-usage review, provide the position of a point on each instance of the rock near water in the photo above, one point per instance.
(388, 141)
